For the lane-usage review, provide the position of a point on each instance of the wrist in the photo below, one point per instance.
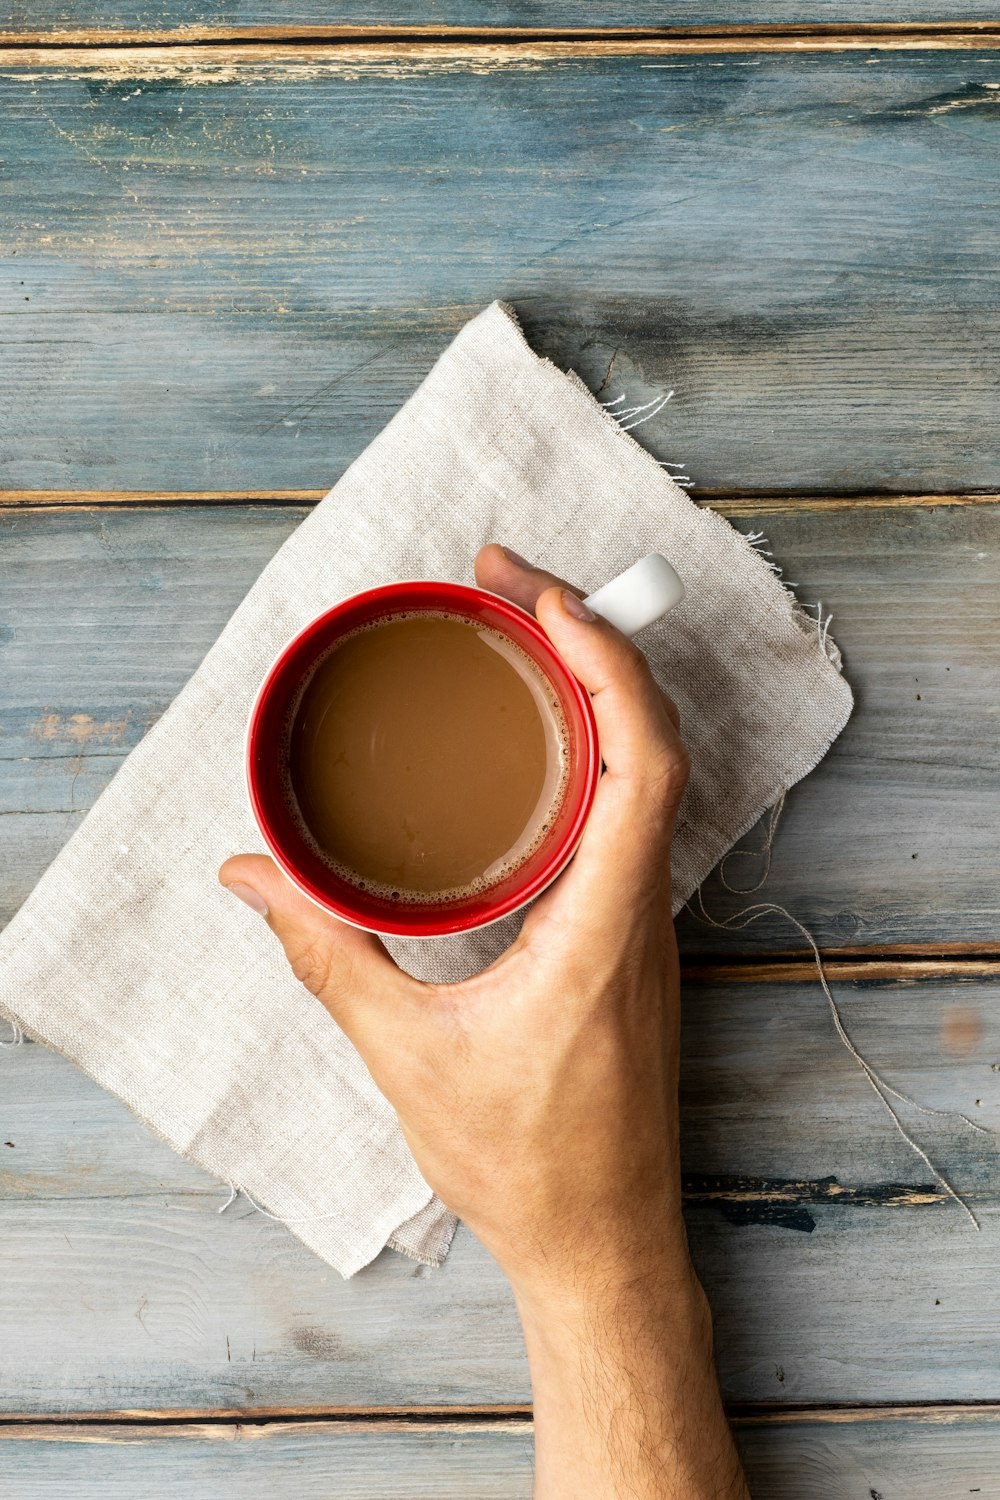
(624, 1389)
(644, 1254)
(596, 1301)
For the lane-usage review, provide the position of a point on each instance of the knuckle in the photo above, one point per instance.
(667, 773)
(633, 664)
(312, 966)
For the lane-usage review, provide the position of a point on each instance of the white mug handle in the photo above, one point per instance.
(640, 595)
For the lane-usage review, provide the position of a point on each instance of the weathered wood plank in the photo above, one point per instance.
(274, 53)
(314, 1461)
(87, 668)
(236, 265)
(925, 1455)
(837, 1269)
(896, 782)
(198, 19)
(72, 1140)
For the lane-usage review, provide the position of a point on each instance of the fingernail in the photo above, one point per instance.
(516, 558)
(247, 894)
(576, 607)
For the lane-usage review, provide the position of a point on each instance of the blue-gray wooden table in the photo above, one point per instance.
(234, 234)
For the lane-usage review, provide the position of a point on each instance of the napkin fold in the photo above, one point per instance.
(130, 959)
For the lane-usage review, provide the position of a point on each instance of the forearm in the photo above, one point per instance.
(625, 1394)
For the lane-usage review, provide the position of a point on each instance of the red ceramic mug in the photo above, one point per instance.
(639, 596)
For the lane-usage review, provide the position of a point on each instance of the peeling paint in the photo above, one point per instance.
(980, 97)
(193, 66)
(81, 729)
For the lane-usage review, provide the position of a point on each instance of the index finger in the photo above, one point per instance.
(504, 572)
(623, 858)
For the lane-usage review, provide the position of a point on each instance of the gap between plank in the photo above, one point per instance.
(726, 502)
(367, 1418)
(192, 1423)
(197, 54)
(964, 949)
(800, 968)
(761, 37)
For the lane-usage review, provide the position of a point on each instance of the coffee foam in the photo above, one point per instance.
(553, 792)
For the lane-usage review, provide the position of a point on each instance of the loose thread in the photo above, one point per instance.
(236, 1192)
(682, 477)
(758, 542)
(231, 1199)
(629, 417)
(879, 1085)
(764, 851)
(625, 414)
(823, 623)
(16, 1035)
(657, 408)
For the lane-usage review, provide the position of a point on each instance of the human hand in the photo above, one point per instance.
(539, 1098)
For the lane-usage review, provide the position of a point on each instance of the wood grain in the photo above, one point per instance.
(837, 1268)
(87, 669)
(922, 1455)
(192, 20)
(899, 1452)
(237, 264)
(274, 1462)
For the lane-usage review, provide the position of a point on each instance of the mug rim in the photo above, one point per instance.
(520, 895)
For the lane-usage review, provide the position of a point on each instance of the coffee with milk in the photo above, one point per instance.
(425, 757)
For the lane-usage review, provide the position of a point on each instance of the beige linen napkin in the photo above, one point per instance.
(128, 956)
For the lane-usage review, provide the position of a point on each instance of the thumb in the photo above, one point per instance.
(345, 967)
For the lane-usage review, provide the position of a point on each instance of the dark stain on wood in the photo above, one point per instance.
(784, 1204)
